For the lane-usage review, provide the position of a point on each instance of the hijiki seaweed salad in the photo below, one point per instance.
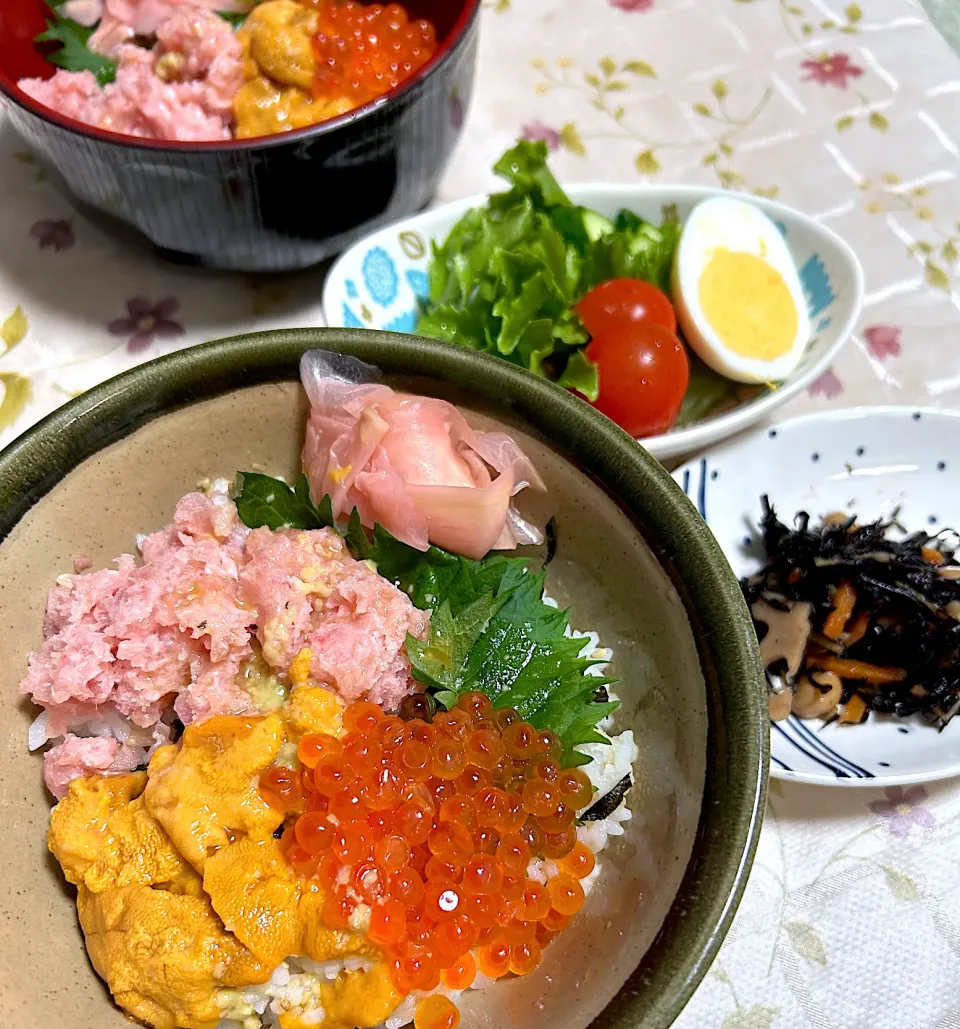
(325, 754)
(854, 618)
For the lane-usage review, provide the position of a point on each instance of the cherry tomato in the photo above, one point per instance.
(644, 372)
(625, 300)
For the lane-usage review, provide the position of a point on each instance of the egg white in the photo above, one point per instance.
(739, 226)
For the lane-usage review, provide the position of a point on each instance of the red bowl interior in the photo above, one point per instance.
(22, 20)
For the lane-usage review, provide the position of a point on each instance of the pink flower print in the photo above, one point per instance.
(882, 341)
(146, 321)
(58, 235)
(537, 132)
(632, 5)
(831, 70)
(828, 384)
(903, 809)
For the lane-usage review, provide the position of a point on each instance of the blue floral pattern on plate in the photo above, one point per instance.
(419, 282)
(816, 285)
(403, 323)
(350, 320)
(380, 276)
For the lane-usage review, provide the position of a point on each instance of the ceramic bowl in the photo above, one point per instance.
(631, 560)
(269, 204)
(378, 282)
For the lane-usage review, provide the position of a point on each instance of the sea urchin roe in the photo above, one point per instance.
(432, 826)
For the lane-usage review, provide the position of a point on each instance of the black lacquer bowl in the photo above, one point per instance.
(269, 204)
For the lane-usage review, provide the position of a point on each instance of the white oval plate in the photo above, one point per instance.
(869, 461)
(377, 282)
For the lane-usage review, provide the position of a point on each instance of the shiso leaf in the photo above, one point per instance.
(437, 661)
(263, 500)
(521, 658)
(490, 631)
(73, 54)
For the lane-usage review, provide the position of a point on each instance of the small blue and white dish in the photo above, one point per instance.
(378, 282)
(867, 461)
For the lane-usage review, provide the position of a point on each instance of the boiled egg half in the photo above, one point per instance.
(737, 293)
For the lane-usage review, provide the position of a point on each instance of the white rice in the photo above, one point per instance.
(294, 987)
(610, 762)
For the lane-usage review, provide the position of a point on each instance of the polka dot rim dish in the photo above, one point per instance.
(379, 282)
(868, 461)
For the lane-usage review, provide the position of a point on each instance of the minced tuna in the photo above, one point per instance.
(353, 621)
(182, 89)
(119, 21)
(177, 628)
(92, 755)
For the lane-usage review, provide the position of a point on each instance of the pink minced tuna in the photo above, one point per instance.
(93, 755)
(182, 89)
(353, 620)
(124, 643)
(119, 21)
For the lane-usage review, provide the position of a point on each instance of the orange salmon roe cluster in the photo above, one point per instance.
(433, 825)
(365, 51)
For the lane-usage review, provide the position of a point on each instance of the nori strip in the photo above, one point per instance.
(608, 803)
(550, 535)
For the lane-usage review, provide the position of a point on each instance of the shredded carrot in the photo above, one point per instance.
(931, 556)
(836, 518)
(844, 601)
(862, 671)
(858, 629)
(854, 711)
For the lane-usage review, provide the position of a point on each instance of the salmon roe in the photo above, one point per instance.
(364, 51)
(436, 1012)
(432, 823)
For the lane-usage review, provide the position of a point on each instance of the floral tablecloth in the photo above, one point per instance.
(852, 916)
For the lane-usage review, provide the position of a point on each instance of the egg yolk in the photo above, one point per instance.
(747, 303)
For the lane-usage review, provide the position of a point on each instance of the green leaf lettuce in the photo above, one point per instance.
(507, 278)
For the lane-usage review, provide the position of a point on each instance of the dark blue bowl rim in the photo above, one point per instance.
(450, 46)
